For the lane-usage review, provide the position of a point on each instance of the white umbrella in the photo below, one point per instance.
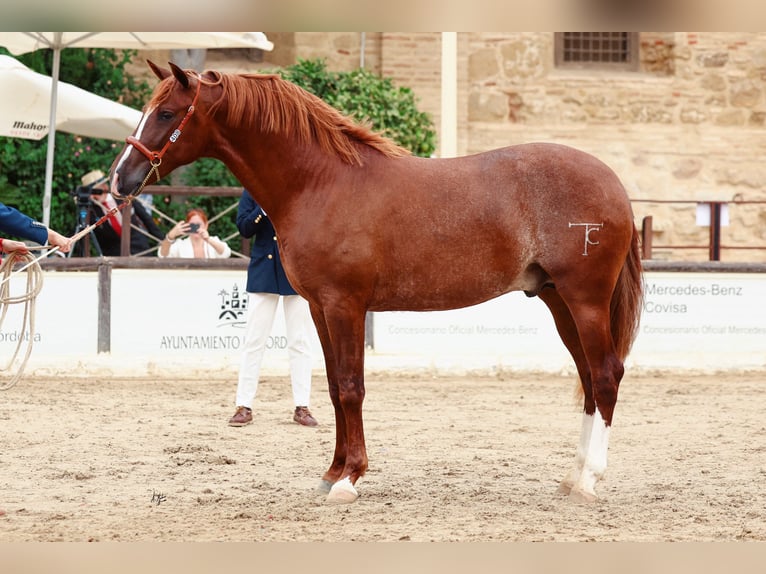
(25, 102)
(23, 42)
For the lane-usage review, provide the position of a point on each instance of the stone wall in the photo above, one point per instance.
(688, 125)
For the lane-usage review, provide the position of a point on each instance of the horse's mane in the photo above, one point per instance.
(273, 105)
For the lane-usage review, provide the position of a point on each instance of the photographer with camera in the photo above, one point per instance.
(198, 243)
(94, 198)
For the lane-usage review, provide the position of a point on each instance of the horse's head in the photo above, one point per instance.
(168, 135)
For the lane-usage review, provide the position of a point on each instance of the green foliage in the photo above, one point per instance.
(22, 162)
(370, 99)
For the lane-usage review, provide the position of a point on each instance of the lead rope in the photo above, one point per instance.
(33, 287)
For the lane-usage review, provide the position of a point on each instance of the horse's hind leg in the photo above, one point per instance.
(600, 373)
(567, 330)
(606, 370)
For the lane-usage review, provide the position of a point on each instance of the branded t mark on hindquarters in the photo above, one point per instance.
(589, 228)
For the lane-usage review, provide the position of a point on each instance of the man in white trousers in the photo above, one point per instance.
(266, 284)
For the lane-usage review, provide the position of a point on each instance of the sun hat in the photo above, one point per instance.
(93, 178)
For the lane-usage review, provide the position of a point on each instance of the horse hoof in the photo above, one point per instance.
(342, 492)
(579, 496)
(324, 486)
(564, 488)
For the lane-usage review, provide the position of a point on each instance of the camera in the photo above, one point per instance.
(193, 227)
(82, 193)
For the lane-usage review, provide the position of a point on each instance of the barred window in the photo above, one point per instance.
(597, 50)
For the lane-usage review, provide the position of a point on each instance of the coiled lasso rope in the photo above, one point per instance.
(33, 287)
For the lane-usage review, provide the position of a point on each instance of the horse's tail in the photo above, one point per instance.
(627, 300)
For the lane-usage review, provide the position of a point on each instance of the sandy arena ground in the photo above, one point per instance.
(451, 459)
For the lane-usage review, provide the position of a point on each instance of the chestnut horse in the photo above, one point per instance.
(364, 226)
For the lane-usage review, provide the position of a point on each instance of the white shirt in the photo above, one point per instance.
(184, 248)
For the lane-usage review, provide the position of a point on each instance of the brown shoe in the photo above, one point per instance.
(302, 416)
(243, 416)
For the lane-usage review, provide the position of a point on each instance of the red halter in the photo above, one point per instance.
(155, 157)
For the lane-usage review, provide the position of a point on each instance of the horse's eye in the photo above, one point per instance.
(166, 115)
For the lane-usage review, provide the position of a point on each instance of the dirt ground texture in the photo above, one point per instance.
(470, 458)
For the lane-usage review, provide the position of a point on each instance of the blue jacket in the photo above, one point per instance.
(265, 273)
(13, 222)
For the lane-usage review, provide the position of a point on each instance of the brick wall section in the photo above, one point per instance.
(414, 60)
(341, 50)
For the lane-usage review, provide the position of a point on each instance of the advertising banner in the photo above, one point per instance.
(193, 319)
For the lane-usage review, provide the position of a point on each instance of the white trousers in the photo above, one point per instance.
(262, 308)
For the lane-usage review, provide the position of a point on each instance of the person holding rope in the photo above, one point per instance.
(9, 246)
(13, 222)
(109, 234)
(198, 243)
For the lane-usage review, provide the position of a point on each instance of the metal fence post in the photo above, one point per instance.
(646, 237)
(715, 231)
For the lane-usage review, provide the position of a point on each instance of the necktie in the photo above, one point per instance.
(113, 221)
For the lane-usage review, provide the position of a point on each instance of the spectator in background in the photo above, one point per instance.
(109, 233)
(266, 283)
(198, 243)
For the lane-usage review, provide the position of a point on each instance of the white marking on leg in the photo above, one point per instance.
(594, 465)
(342, 492)
(574, 475)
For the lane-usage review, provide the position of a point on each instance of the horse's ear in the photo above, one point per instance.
(180, 75)
(161, 73)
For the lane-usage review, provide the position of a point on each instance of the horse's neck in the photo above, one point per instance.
(276, 169)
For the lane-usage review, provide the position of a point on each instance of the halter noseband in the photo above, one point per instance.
(155, 157)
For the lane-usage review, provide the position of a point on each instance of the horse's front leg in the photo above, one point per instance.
(339, 458)
(335, 471)
(345, 330)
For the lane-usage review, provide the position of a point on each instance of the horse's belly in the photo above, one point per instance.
(450, 288)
